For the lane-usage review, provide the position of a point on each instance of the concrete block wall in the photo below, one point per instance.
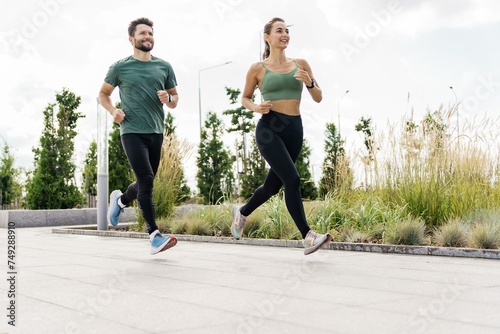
(40, 218)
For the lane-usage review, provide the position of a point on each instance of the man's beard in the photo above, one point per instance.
(142, 47)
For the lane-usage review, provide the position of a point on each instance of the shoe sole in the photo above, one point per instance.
(318, 246)
(233, 228)
(171, 242)
(112, 199)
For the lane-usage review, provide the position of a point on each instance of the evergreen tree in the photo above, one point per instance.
(365, 126)
(214, 177)
(307, 187)
(169, 124)
(334, 149)
(52, 185)
(256, 172)
(7, 176)
(120, 172)
(241, 121)
(89, 174)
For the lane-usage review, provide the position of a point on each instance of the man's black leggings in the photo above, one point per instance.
(143, 153)
(279, 139)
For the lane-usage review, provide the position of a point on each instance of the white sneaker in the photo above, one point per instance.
(239, 222)
(314, 241)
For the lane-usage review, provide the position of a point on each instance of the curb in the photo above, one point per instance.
(339, 246)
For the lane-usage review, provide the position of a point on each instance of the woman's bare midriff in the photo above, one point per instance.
(287, 107)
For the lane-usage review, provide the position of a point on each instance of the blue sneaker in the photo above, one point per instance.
(160, 243)
(114, 209)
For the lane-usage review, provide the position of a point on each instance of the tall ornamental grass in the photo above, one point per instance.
(168, 178)
(167, 183)
(436, 174)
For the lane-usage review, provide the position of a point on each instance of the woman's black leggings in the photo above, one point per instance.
(279, 139)
(143, 153)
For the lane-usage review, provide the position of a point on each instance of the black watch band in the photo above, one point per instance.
(313, 84)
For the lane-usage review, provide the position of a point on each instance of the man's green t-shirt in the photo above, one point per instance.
(139, 82)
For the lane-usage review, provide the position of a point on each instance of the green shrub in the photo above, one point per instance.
(409, 231)
(327, 215)
(485, 236)
(452, 234)
(199, 227)
(277, 223)
(349, 234)
(164, 225)
(179, 226)
(254, 223)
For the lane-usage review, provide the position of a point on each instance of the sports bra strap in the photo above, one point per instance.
(267, 68)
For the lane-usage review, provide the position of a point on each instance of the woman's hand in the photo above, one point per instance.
(303, 76)
(264, 107)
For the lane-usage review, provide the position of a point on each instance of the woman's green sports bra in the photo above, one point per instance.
(281, 86)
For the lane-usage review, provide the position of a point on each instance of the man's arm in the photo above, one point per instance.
(105, 99)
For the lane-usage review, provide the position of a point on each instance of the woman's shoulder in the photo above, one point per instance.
(256, 67)
(301, 62)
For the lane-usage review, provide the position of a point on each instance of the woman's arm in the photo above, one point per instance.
(304, 74)
(250, 84)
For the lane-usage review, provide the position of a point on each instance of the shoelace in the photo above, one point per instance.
(312, 236)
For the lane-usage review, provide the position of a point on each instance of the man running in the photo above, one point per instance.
(146, 83)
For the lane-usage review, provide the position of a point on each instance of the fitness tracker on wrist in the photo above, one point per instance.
(313, 84)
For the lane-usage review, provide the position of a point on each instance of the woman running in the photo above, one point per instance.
(279, 131)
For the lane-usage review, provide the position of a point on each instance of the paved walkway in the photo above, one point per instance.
(88, 284)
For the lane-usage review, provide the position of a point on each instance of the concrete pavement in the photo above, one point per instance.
(89, 284)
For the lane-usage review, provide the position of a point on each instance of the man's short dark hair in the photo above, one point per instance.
(133, 25)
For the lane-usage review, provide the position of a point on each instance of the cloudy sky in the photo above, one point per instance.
(392, 56)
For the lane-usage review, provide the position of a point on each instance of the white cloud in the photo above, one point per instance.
(409, 17)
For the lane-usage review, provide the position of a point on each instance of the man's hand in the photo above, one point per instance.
(118, 116)
(164, 96)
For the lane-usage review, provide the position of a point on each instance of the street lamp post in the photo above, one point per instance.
(338, 106)
(199, 87)
(456, 106)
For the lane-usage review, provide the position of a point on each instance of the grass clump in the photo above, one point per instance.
(409, 231)
(452, 234)
(327, 215)
(179, 226)
(485, 229)
(277, 223)
(349, 234)
(199, 227)
(485, 236)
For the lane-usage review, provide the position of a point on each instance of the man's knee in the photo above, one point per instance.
(146, 181)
